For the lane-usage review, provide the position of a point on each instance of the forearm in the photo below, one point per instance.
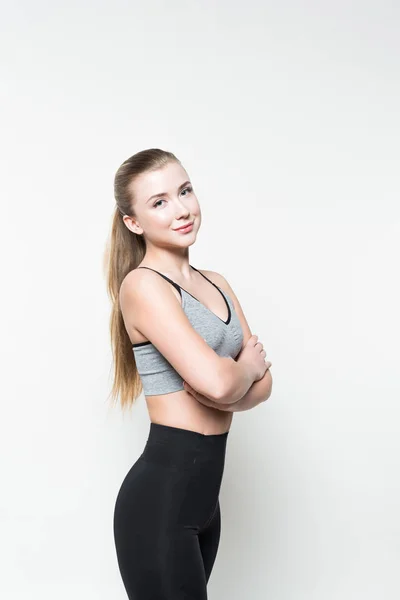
(236, 381)
(258, 392)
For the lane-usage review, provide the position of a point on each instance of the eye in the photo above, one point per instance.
(188, 189)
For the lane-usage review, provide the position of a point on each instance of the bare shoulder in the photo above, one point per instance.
(222, 282)
(131, 283)
(139, 282)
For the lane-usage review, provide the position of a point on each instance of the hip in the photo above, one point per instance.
(178, 475)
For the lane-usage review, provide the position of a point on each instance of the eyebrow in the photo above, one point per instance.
(166, 194)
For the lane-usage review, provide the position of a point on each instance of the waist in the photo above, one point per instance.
(181, 409)
(175, 446)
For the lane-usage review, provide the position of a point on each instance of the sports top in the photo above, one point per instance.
(224, 337)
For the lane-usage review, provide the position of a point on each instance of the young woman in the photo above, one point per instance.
(180, 335)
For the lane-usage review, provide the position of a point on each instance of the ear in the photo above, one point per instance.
(132, 225)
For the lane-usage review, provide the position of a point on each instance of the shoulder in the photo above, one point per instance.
(223, 283)
(142, 279)
(218, 279)
(131, 282)
(140, 283)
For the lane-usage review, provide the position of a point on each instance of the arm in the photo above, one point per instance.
(237, 381)
(164, 324)
(244, 396)
(259, 392)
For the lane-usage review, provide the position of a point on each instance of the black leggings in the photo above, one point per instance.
(167, 519)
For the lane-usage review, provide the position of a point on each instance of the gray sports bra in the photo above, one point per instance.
(224, 337)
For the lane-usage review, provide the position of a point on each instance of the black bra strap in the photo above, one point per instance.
(205, 277)
(176, 286)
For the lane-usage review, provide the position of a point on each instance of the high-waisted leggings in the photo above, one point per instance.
(167, 519)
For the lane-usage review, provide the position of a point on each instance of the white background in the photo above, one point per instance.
(286, 117)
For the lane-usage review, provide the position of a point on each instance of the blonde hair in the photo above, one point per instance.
(124, 252)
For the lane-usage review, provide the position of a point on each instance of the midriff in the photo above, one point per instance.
(181, 409)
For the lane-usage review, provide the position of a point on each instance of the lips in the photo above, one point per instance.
(183, 226)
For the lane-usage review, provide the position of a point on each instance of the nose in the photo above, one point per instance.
(181, 210)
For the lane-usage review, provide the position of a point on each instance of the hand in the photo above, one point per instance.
(253, 354)
(206, 401)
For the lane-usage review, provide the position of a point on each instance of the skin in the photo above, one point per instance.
(157, 218)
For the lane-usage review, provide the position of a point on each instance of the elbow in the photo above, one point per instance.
(222, 380)
(224, 393)
(221, 391)
(269, 389)
(215, 390)
(227, 390)
(218, 393)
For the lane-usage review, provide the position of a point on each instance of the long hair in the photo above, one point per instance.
(124, 252)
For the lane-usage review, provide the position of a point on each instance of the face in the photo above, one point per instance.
(164, 201)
